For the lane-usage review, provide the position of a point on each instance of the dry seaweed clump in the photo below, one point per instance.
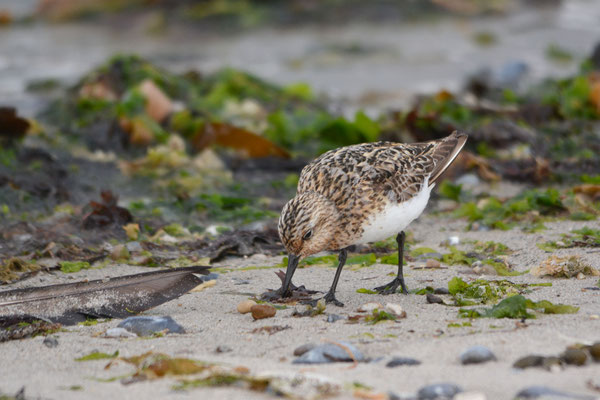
(13, 269)
(564, 267)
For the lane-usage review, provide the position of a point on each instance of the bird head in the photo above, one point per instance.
(307, 225)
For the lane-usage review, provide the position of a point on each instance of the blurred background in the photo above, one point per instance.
(196, 117)
(363, 54)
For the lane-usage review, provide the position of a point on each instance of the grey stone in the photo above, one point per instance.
(146, 326)
(438, 391)
(50, 341)
(333, 317)
(477, 355)
(398, 361)
(546, 393)
(328, 353)
(223, 349)
(433, 299)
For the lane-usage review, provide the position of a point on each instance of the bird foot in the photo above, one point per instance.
(392, 286)
(330, 298)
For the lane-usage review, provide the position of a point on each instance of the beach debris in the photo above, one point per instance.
(250, 145)
(104, 298)
(543, 392)
(298, 351)
(311, 310)
(50, 341)
(148, 326)
(245, 306)
(330, 352)
(241, 243)
(476, 355)
(13, 126)
(98, 355)
(270, 329)
(223, 349)
(433, 299)
(438, 391)
(297, 293)
(15, 269)
(402, 361)
(395, 309)
(370, 307)
(577, 355)
(331, 318)
(106, 212)
(192, 373)
(261, 311)
(564, 267)
(516, 307)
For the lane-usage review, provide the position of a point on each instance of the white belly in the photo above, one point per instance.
(394, 217)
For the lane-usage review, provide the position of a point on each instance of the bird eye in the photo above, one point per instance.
(307, 235)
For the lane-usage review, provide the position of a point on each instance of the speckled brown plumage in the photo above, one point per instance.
(342, 188)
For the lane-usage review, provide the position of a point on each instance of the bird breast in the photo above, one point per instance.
(395, 217)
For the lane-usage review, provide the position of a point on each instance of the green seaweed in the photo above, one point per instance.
(516, 307)
(379, 316)
(96, 355)
(73, 266)
(366, 291)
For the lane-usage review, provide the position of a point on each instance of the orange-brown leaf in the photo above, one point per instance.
(249, 144)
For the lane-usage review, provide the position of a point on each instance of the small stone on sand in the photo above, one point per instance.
(245, 306)
(260, 311)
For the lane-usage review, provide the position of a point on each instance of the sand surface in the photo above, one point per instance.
(211, 320)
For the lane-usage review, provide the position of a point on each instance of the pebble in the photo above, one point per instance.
(298, 351)
(395, 309)
(529, 361)
(441, 290)
(433, 299)
(146, 326)
(476, 355)
(333, 317)
(50, 341)
(574, 356)
(470, 396)
(370, 307)
(398, 361)
(328, 353)
(438, 391)
(432, 263)
(543, 392)
(118, 333)
(261, 311)
(223, 349)
(245, 306)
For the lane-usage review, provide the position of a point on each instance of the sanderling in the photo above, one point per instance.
(360, 194)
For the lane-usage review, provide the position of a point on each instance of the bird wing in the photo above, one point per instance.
(381, 168)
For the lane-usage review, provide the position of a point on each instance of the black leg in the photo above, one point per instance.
(330, 296)
(399, 280)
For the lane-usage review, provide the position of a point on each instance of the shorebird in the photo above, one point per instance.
(361, 194)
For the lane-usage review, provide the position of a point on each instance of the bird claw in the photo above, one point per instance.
(391, 287)
(330, 298)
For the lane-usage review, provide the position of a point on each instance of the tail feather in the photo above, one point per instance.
(446, 152)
